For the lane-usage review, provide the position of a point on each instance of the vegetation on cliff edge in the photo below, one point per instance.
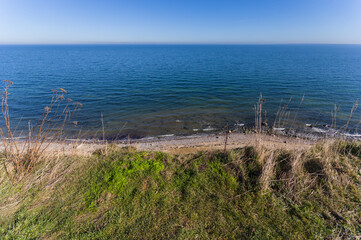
(252, 192)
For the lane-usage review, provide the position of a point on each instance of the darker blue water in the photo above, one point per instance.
(149, 90)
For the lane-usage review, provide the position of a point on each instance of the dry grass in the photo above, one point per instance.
(283, 124)
(353, 109)
(258, 114)
(19, 158)
(283, 114)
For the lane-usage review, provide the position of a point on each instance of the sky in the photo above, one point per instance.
(181, 21)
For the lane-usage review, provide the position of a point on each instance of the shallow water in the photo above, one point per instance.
(151, 90)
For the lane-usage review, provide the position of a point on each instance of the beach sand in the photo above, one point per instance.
(184, 145)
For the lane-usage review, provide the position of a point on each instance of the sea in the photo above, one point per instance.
(145, 91)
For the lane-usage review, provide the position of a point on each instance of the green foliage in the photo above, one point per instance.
(115, 176)
(148, 195)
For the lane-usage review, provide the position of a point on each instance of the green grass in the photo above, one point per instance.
(125, 194)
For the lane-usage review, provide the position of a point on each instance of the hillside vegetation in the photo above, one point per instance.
(248, 193)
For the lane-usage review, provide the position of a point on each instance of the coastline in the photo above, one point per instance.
(183, 144)
(277, 138)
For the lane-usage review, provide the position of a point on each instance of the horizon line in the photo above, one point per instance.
(177, 43)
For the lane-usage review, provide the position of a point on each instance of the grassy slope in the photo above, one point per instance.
(251, 192)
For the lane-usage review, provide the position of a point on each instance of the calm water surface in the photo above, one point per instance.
(151, 90)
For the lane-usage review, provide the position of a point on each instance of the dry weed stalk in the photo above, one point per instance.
(258, 114)
(282, 114)
(298, 109)
(227, 132)
(353, 109)
(334, 116)
(20, 157)
(267, 171)
(103, 131)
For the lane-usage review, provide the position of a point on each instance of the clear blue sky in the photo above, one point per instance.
(181, 21)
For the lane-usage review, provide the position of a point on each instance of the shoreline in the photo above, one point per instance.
(183, 144)
(284, 138)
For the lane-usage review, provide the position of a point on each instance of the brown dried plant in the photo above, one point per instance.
(283, 114)
(353, 109)
(20, 157)
(258, 113)
(334, 116)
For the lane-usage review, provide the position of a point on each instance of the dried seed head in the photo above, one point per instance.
(8, 82)
(75, 123)
(53, 90)
(70, 100)
(47, 109)
(62, 97)
(62, 90)
(78, 104)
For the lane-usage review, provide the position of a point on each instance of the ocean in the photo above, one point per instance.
(164, 90)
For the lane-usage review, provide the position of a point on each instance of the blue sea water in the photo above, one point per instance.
(152, 90)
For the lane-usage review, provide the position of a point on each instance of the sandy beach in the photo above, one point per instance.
(185, 144)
